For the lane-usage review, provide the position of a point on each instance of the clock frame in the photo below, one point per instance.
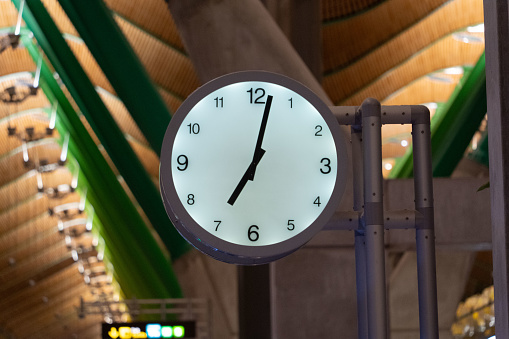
(215, 246)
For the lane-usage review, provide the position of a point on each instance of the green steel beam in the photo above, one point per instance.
(128, 236)
(453, 126)
(112, 138)
(96, 26)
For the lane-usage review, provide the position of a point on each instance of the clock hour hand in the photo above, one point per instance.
(248, 175)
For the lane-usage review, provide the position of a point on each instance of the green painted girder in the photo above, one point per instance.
(128, 237)
(96, 26)
(452, 126)
(103, 124)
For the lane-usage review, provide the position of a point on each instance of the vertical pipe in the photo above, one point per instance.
(360, 241)
(425, 234)
(373, 218)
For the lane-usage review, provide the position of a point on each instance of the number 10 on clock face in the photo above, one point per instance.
(253, 164)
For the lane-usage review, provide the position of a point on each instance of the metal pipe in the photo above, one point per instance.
(345, 114)
(373, 218)
(425, 236)
(360, 240)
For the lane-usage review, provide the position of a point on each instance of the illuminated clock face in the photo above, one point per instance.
(252, 166)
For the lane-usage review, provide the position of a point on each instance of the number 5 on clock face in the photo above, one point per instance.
(253, 165)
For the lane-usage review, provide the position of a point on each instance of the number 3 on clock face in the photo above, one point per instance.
(253, 165)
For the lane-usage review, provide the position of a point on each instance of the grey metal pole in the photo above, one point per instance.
(425, 233)
(360, 241)
(373, 218)
(496, 22)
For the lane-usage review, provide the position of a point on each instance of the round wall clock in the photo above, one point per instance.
(253, 164)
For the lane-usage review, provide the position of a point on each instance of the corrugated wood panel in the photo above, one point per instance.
(13, 166)
(89, 327)
(349, 39)
(152, 16)
(16, 60)
(26, 186)
(51, 256)
(69, 294)
(8, 14)
(36, 301)
(338, 9)
(33, 101)
(51, 317)
(24, 232)
(29, 247)
(167, 67)
(445, 53)
(346, 82)
(50, 286)
(422, 90)
(37, 121)
(31, 208)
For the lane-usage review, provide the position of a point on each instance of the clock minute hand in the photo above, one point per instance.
(258, 153)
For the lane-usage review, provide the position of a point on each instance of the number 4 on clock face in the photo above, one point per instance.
(252, 167)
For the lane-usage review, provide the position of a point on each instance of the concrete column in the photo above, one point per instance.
(496, 19)
(224, 36)
(301, 21)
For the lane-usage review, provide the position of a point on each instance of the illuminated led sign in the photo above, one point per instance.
(156, 330)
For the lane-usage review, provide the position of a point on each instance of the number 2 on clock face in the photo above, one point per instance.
(254, 163)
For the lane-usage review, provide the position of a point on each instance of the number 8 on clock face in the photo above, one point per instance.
(253, 164)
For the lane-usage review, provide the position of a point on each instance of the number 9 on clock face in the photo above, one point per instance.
(253, 165)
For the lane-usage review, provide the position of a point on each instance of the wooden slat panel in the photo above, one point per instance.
(69, 295)
(27, 232)
(38, 121)
(167, 67)
(423, 90)
(30, 208)
(13, 166)
(50, 318)
(150, 15)
(16, 60)
(25, 187)
(445, 53)
(338, 9)
(44, 264)
(346, 82)
(8, 14)
(33, 296)
(349, 39)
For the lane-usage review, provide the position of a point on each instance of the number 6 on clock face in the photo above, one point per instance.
(253, 164)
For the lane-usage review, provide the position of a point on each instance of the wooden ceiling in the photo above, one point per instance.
(398, 51)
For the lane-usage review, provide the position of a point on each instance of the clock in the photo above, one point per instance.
(253, 164)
